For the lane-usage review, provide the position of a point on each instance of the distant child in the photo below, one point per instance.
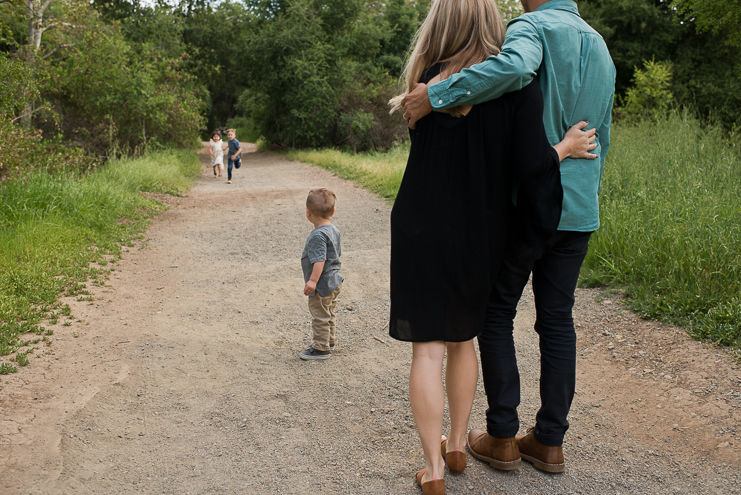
(235, 153)
(216, 148)
(320, 262)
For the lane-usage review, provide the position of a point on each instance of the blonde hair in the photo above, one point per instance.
(231, 130)
(321, 202)
(456, 33)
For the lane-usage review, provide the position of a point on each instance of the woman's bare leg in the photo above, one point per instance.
(427, 398)
(461, 376)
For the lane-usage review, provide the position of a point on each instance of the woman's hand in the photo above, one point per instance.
(577, 143)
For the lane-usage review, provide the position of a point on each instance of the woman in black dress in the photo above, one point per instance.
(453, 214)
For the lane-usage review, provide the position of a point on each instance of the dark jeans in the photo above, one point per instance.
(230, 164)
(555, 273)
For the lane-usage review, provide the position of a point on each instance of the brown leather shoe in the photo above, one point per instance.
(455, 459)
(432, 487)
(544, 457)
(501, 453)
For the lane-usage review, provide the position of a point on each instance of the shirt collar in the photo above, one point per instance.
(566, 5)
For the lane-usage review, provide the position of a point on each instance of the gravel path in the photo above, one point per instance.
(183, 376)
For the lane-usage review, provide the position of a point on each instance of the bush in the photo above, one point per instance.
(23, 150)
(19, 87)
(112, 99)
(649, 98)
(354, 128)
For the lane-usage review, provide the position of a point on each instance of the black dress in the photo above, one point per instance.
(455, 212)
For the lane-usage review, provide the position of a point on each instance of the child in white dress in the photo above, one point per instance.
(217, 152)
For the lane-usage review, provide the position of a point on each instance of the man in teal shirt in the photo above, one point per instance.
(577, 78)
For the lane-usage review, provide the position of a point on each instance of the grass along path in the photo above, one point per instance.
(670, 214)
(58, 233)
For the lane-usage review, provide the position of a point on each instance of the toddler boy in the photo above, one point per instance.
(320, 262)
(235, 153)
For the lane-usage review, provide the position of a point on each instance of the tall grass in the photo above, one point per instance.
(378, 172)
(53, 226)
(670, 212)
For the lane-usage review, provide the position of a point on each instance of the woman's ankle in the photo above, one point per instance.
(434, 471)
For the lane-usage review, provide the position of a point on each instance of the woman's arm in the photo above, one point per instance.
(577, 143)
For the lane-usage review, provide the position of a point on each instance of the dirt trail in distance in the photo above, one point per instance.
(184, 376)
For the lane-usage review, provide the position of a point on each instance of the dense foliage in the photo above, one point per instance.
(320, 75)
(722, 17)
(86, 87)
(706, 72)
(125, 74)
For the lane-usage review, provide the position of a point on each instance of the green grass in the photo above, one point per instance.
(670, 215)
(378, 172)
(670, 211)
(52, 227)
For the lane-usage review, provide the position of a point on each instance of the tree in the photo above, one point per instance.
(703, 67)
(317, 74)
(720, 17)
(110, 96)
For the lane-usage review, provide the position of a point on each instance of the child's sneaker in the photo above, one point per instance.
(332, 347)
(311, 353)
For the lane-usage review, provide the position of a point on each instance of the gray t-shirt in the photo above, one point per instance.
(323, 244)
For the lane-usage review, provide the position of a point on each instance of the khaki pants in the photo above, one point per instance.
(322, 319)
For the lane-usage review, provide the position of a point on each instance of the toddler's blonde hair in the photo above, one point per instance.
(321, 202)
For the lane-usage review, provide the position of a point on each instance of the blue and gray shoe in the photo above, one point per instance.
(311, 353)
(331, 348)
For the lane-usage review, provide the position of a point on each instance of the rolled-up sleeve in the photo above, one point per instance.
(603, 136)
(513, 69)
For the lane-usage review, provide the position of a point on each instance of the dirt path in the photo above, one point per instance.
(184, 377)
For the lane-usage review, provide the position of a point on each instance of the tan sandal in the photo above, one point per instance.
(455, 459)
(432, 487)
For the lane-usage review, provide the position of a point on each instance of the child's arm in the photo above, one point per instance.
(239, 150)
(316, 272)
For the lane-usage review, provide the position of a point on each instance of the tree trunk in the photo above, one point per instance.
(36, 27)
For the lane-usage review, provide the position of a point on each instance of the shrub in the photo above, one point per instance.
(649, 98)
(112, 99)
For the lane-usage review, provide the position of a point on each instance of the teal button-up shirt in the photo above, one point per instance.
(577, 78)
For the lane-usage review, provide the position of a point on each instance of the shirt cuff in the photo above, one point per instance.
(442, 97)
